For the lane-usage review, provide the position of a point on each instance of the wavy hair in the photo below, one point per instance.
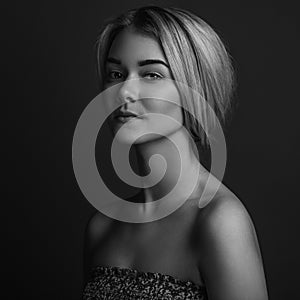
(195, 53)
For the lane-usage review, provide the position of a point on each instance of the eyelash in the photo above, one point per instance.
(149, 73)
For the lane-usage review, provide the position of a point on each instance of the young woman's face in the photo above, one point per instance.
(137, 63)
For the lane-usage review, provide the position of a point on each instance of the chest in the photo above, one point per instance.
(164, 246)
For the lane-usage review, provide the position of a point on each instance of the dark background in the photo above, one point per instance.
(49, 78)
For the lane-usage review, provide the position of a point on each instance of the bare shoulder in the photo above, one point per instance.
(225, 222)
(96, 226)
(228, 252)
(225, 212)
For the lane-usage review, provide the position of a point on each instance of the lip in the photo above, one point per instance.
(124, 119)
(126, 114)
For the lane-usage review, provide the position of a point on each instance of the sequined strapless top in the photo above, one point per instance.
(126, 284)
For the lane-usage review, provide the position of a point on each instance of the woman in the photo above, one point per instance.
(207, 251)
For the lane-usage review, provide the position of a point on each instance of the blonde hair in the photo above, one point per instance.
(195, 53)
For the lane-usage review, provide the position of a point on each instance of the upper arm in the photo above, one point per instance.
(229, 255)
(94, 230)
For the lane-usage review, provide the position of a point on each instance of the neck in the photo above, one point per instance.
(183, 160)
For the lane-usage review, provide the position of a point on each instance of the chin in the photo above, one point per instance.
(137, 139)
(146, 138)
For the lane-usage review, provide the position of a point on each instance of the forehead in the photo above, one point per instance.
(130, 45)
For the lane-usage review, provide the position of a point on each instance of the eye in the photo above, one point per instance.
(153, 76)
(114, 75)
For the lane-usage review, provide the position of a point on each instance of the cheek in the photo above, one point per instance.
(161, 98)
(165, 108)
(166, 125)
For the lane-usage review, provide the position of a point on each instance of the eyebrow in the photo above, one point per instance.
(141, 62)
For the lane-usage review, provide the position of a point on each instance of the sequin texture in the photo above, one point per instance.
(109, 283)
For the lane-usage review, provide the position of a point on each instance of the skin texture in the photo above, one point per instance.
(215, 245)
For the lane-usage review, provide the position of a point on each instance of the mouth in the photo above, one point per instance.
(125, 117)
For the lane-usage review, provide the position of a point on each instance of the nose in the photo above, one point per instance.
(129, 91)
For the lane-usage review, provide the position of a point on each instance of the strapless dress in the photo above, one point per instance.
(107, 282)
